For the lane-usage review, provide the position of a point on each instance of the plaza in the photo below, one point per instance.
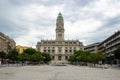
(51, 72)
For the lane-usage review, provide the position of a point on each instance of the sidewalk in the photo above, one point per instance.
(48, 72)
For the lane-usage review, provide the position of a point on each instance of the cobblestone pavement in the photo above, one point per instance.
(45, 72)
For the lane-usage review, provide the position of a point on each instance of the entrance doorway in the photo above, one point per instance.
(59, 58)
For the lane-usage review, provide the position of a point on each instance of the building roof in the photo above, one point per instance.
(59, 15)
(93, 44)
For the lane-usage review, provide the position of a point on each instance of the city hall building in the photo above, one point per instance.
(59, 49)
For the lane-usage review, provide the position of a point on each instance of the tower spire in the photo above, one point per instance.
(60, 27)
(59, 15)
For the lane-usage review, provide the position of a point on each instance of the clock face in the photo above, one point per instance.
(59, 26)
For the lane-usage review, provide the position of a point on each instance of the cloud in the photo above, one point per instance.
(29, 21)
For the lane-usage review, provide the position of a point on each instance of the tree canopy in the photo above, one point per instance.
(13, 54)
(30, 51)
(30, 55)
(83, 56)
(3, 55)
(46, 57)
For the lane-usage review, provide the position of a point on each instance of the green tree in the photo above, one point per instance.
(29, 51)
(23, 57)
(3, 55)
(81, 56)
(99, 56)
(72, 58)
(84, 56)
(13, 55)
(90, 58)
(46, 57)
(78, 56)
(37, 57)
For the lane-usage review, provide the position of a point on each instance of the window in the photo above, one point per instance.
(53, 42)
(59, 57)
(70, 42)
(52, 47)
(48, 47)
(44, 47)
(59, 51)
(53, 51)
(70, 51)
(66, 57)
(66, 51)
(74, 48)
(48, 51)
(66, 42)
(44, 42)
(74, 42)
(53, 57)
(59, 47)
(44, 50)
(66, 48)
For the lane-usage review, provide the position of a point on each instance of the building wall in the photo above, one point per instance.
(20, 49)
(3, 46)
(59, 49)
(92, 48)
(6, 43)
(109, 45)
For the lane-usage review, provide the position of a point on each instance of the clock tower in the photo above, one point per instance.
(60, 28)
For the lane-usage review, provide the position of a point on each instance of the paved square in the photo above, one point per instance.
(69, 72)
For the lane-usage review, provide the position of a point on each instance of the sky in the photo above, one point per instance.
(30, 21)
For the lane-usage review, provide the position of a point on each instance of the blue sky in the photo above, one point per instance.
(29, 21)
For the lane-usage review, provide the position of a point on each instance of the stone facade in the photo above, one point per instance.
(92, 48)
(60, 49)
(6, 43)
(110, 44)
